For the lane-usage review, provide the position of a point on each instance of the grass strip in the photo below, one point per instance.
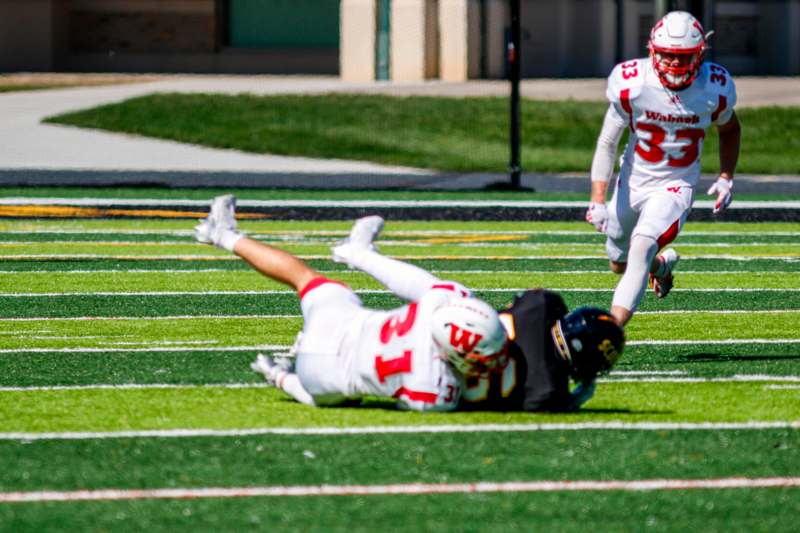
(249, 331)
(397, 458)
(57, 306)
(392, 237)
(52, 282)
(187, 366)
(226, 408)
(600, 265)
(461, 134)
(713, 510)
(134, 249)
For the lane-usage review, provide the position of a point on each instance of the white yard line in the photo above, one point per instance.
(78, 349)
(385, 233)
(384, 430)
(739, 378)
(47, 273)
(207, 257)
(398, 489)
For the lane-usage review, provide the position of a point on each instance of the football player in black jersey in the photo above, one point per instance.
(549, 346)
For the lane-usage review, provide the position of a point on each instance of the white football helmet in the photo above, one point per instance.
(470, 334)
(678, 33)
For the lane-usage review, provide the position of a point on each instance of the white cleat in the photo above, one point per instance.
(361, 238)
(221, 219)
(663, 284)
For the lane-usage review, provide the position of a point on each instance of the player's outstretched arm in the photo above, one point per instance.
(358, 251)
(730, 135)
(603, 167)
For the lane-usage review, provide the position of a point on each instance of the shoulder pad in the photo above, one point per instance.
(626, 75)
(717, 80)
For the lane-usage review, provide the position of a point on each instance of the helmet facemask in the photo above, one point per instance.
(589, 340)
(677, 49)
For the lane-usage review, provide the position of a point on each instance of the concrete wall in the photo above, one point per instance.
(459, 39)
(414, 40)
(357, 46)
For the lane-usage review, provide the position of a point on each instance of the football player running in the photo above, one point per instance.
(416, 354)
(667, 101)
(548, 345)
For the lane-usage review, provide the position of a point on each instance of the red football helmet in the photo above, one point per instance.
(677, 47)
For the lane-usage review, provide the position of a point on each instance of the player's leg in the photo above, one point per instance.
(275, 263)
(631, 286)
(662, 215)
(358, 251)
(622, 218)
(219, 229)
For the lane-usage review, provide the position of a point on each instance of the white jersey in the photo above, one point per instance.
(667, 127)
(393, 354)
(348, 351)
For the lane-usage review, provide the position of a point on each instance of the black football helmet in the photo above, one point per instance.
(590, 340)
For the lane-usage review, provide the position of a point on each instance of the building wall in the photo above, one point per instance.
(451, 39)
(27, 35)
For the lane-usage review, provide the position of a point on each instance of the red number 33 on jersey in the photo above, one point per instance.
(629, 70)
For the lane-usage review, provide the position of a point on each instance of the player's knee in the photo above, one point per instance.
(643, 248)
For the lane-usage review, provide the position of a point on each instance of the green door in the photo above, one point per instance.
(283, 23)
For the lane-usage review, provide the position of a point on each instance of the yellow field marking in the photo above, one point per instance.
(455, 239)
(94, 212)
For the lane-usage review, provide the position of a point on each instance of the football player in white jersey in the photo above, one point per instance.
(667, 102)
(417, 354)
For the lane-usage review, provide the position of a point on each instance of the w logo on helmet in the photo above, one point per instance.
(462, 340)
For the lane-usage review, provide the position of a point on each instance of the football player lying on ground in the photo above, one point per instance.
(417, 354)
(549, 345)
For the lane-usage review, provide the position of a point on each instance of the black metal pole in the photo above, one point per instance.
(514, 49)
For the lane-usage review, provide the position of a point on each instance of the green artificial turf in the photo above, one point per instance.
(146, 462)
(459, 134)
(210, 366)
(257, 330)
(709, 511)
(453, 266)
(155, 305)
(102, 409)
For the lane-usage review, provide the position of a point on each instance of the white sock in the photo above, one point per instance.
(630, 288)
(291, 385)
(228, 239)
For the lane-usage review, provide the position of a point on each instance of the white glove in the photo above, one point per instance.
(270, 367)
(597, 215)
(722, 188)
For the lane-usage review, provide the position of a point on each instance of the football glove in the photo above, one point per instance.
(722, 188)
(597, 216)
(582, 393)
